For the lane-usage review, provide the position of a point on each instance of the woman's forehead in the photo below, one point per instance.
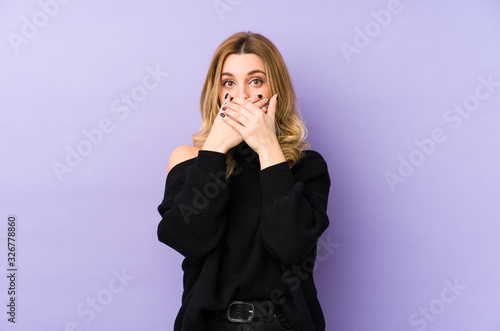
(242, 64)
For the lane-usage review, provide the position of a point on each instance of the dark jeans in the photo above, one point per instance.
(270, 323)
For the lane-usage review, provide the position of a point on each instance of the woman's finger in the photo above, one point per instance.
(246, 105)
(272, 106)
(237, 126)
(225, 101)
(236, 114)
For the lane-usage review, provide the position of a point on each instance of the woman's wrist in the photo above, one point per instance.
(208, 146)
(271, 156)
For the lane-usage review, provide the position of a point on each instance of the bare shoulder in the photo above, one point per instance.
(181, 154)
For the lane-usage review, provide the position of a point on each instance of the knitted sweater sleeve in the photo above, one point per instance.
(294, 206)
(194, 206)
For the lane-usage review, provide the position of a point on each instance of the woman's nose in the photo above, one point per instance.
(243, 92)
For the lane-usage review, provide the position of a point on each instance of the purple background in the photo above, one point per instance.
(397, 250)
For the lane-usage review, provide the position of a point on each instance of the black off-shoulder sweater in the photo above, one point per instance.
(252, 237)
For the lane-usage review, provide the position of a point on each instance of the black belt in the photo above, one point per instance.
(246, 311)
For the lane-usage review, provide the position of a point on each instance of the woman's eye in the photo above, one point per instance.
(228, 83)
(256, 81)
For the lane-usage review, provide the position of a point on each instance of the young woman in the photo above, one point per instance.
(246, 204)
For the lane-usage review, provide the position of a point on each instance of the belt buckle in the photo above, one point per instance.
(251, 312)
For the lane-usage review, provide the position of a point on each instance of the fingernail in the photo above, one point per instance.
(231, 99)
(266, 100)
(222, 114)
(226, 95)
(225, 103)
(223, 108)
(277, 96)
(260, 96)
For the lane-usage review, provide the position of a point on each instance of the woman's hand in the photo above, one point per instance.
(222, 137)
(256, 127)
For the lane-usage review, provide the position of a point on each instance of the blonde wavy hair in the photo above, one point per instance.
(290, 130)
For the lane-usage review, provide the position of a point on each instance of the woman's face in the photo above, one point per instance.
(243, 75)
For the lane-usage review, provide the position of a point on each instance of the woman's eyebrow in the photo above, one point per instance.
(257, 71)
(253, 72)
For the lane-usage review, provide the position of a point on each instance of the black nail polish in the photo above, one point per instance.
(222, 114)
(231, 99)
(277, 96)
(260, 96)
(226, 96)
(224, 108)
